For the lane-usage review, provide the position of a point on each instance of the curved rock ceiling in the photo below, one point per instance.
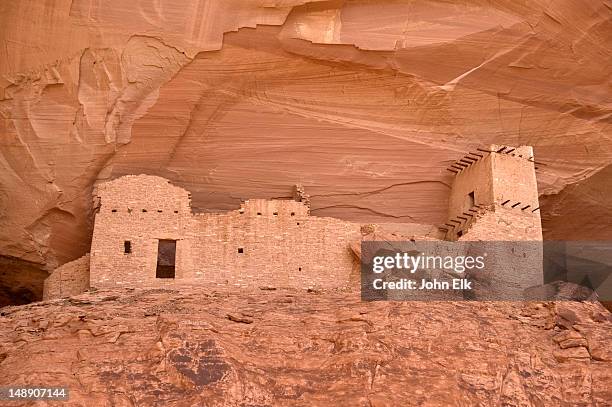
(363, 102)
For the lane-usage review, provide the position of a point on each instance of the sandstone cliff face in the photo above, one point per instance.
(362, 102)
(186, 347)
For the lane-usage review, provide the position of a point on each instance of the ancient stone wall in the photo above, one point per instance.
(513, 251)
(505, 211)
(69, 279)
(475, 179)
(271, 242)
(135, 211)
(276, 242)
(265, 242)
(502, 178)
(514, 178)
(500, 223)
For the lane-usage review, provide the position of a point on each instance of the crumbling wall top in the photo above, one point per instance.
(300, 195)
(141, 193)
(275, 207)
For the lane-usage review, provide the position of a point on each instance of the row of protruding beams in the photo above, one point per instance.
(465, 162)
(472, 157)
(508, 204)
(462, 219)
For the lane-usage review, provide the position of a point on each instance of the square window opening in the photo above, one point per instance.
(240, 250)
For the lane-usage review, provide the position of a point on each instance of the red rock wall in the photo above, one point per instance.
(174, 89)
(363, 102)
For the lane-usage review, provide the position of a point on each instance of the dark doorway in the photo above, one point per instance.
(166, 257)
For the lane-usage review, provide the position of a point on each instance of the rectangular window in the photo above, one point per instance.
(127, 247)
(166, 258)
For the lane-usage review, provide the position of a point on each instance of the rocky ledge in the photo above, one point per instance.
(266, 347)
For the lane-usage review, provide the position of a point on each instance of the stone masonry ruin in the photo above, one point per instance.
(494, 199)
(145, 232)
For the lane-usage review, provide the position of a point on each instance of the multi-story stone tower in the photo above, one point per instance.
(495, 199)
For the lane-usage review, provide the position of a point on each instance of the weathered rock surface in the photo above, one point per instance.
(363, 103)
(192, 346)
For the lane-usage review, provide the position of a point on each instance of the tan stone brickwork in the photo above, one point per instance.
(67, 280)
(284, 250)
(478, 179)
(496, 181)
(504, 209)
(500, 223)
(139, 210)
(514, 179)
(511, 268)
(265, 242)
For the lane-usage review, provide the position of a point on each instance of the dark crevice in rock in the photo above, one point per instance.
(21, 282)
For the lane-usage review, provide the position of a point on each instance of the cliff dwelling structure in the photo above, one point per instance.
(145, 232)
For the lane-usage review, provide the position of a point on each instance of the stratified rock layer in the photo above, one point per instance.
(190, 346)
(364, 103)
